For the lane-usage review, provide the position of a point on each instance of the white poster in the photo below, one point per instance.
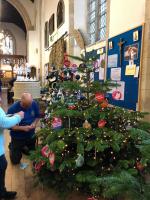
(101, 73)
(102, 67)
(137, 72)
(113, 60)
(116, 74)
(118, 92)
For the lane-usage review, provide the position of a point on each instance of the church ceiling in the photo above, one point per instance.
(8, 13)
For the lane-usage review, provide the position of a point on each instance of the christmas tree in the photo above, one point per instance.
(88, 145)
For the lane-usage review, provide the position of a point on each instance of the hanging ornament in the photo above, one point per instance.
(67, 63)
(77, 77)
(80, 161)
(51, 158)
(74, 68)
(65, 56)
(39, 165)
(86, 125)
(79, 95)
(139, 166)
(71, 106)
(57, 123)
(91, 198)
(45, 151)
(100, 97)
(49, 99)
(59, 94)
(116, 95)
(102, 123)
(104, 104)
(82, 65)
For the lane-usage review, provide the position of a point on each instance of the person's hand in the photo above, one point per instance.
(21, 114)
(33, 126)
(27, 128)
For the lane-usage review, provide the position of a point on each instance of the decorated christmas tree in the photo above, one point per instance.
(88, 145)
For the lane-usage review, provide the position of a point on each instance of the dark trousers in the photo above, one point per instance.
(3, 166)
(17, 147)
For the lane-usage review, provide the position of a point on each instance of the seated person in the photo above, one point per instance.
(26, 139)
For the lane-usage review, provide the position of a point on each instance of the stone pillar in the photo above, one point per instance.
(144, 88)
(71, 26)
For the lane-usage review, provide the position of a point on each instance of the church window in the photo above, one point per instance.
(7, 43)
(52, 24)
(97, 20)
(60, 13)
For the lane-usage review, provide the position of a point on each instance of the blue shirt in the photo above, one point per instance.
(30, 115)
(6, 122)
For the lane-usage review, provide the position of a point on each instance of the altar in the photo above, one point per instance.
(32, 87)
(26, 81)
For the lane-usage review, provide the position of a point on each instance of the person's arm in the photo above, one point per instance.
(22, 128)
(8, 122)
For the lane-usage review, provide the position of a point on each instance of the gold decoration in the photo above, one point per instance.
(86, 125)
(57, 54)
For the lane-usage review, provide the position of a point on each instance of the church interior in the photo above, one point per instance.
(86, 65)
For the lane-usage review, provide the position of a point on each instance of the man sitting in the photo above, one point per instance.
(25, 140)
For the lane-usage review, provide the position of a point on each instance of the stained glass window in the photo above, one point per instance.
(97, 20)
(7, 43)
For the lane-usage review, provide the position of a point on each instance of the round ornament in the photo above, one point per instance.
(67, 63)
(57, 123)
(104, 104)
(80, 161)
(139, 166)
(71, 106)
(74, 68)
(102, 123)
(77, 77)
(100, 97)
(82, 65)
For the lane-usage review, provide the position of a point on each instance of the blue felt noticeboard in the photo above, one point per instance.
(94, 54)
(131, 83)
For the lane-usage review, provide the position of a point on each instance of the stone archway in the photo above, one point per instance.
(20, 8)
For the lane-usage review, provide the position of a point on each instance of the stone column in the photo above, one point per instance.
(144, 88)
(71, 26)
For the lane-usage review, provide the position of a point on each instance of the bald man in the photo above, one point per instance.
(25, 140)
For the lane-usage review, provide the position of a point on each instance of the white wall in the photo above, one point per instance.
(30, 9)
(50, 7)
(34, 40)
(19, 36)
(125, 15)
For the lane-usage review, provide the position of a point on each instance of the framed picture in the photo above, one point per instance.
(110, 45)
(131, 52)
(135, 36)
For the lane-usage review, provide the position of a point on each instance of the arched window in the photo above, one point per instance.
(46, 35)
(97, 11)
(60, 13)
(7, 42)
(52, 24)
